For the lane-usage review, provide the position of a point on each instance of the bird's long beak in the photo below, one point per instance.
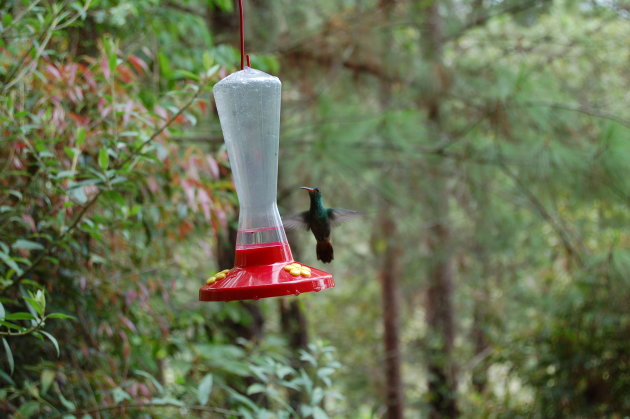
(307, 188)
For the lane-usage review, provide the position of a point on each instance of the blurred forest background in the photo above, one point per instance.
(487, 142)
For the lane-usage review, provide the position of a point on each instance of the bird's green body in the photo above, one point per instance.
(320, 221)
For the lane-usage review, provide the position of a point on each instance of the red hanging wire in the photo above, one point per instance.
(240, 7)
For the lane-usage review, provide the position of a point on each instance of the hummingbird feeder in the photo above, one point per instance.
(248, 103)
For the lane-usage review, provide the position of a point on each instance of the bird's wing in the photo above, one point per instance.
(340, 215)
(296, 221)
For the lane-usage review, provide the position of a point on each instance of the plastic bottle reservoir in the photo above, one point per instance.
(248, 103)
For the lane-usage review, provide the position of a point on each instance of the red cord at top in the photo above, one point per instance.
(240, 7)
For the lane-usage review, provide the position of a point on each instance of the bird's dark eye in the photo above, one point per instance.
(316, 189)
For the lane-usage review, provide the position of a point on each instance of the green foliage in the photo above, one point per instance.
(115, 187)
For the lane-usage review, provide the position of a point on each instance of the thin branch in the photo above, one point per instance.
(483, 19)
(30, 330)
(598, 113)
(149, 405)
(538, 205)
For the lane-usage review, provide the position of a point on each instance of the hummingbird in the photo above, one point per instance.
(319, 220)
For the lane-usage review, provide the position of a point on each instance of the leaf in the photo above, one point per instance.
(110, 53)
(167, 400)
(37, 301)
(28, 409)
(318, 413)
(185, 75)
(6, 377)
(305, 356)
(66, 403)
(52, 339)
(103, 158)
(256, 388)
(317, 396)
(10, 263)
(138, 64)
(165, 66)
(20, 316)
(225, 5)
(7, 348)
(27, 244)
(153, 380)
(60, 316)
(2, 312)
(119, 395)
(46, 379)
(283, 371)
(11, 325)
(78, 195)
(80, 136)
(242, 399)
(204, 390)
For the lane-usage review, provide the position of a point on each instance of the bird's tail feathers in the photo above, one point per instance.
(325, 251)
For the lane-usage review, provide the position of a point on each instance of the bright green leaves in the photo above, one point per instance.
(81, 135)
(165, 66)
(110, 54)
(37, 301)
(225, 5)
(103, 159)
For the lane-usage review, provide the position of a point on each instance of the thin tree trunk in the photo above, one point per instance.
(390, 299)
(439, 295)
(390, 265)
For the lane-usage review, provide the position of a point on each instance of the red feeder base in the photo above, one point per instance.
(260, 273)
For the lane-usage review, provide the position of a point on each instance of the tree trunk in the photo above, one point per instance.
(439, 295)
(391, 263)
(390, 298)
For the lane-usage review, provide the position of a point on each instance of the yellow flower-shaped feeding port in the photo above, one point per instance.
(220, 275)
(296, 269)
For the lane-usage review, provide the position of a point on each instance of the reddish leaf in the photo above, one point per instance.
(105, 68)
(124, 73)
(213, 167)
(189, 190)
(127, 112)
(184, 228)
(89, 79)
(138, 64)
(53, 71)
(79, 119)
(31, 223)
(206, 203)
(128, 323)
(161, 112)
(202, 105)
